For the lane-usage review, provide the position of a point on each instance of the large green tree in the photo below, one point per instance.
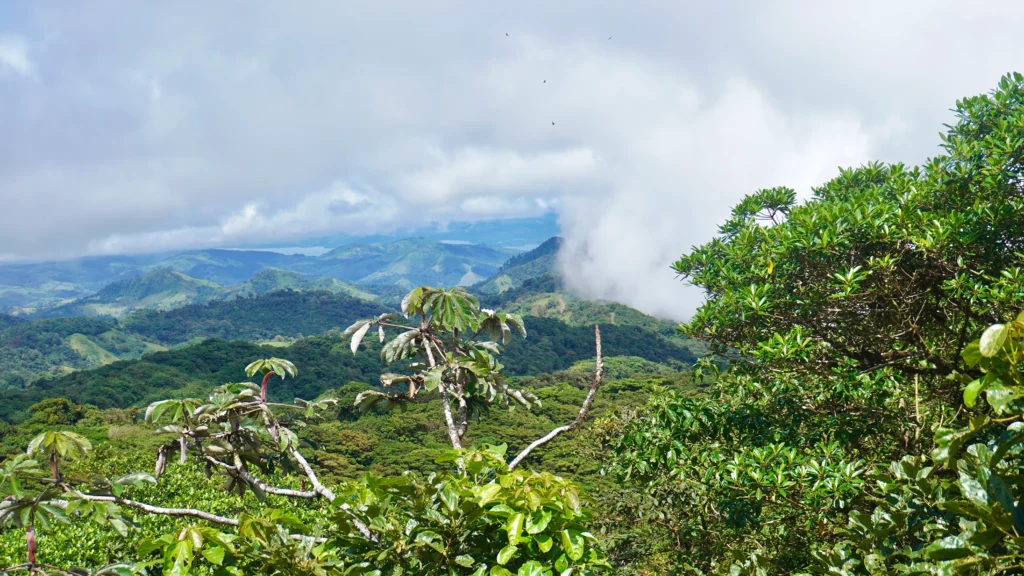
(847, 318)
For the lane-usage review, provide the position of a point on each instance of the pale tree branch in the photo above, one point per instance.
(329, 495)
(598, 373)
(453, 431)
(245, 475)
(177, 512)
(463, 418)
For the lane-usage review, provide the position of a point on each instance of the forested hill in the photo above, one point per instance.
(324, 363)
(52, 347)
(520, 268)
(284, 313)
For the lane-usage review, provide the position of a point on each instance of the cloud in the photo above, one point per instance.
(14, 56)
(190, 124)
(472, 171)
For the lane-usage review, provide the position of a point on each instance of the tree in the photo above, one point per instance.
(483, 517)
(960, 508)
(848, 320)
(452, 350)
(886, 265)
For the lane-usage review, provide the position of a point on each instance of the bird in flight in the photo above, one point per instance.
(545, 82)
(552, 123)
(506, 34)
(608, 37)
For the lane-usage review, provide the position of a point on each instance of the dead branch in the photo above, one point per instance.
(598, 372)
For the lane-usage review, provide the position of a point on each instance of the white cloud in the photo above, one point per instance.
(189, 124)
(14, 56)
(474, 171)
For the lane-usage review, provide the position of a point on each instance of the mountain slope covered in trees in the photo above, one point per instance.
(409, 262)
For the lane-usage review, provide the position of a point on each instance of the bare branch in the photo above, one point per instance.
(598, 373)
(308, 470)
(179, 512)
(245, 475)
(326, 493)
(453, 431)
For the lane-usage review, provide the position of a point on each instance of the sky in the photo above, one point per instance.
(132, 127)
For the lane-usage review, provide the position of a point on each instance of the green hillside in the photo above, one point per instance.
(164, 289)
(281, 313)
(414, 262)
(159, 289)
(551, 346)
(274, 279)
(56, 346)
(540, 261)
(46, 348)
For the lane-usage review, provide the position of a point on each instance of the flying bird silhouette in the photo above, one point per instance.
(608, 37)
(545, 82)
(506, 33)
(552, 123)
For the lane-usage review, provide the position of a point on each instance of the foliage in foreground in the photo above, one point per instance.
(445, 523)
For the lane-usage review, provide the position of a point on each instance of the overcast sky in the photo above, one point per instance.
(142, 126)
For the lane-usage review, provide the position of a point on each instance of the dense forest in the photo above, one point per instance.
(196, 369)
(870, 419)
(282, 313)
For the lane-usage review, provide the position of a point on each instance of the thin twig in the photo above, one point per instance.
(598, 372)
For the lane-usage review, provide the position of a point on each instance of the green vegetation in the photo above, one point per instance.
(870, 421)
(283, 313)
(198, 368)
(445, 522)
(29, 288)
(847, 437)
(540, 261)
(163, 289)
(413, 262)
(30, 350)
(39, 349)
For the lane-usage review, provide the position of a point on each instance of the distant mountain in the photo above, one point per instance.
(160, 289)
(415, 262)
(513, 272)
(164, 289)
(27, 288)
(276, 279)
(231, 267)
(517, 233)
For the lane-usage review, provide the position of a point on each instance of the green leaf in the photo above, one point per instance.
(999, 396)
(572, 541)
(544, 542)
(972, 354)
(538, 521)
(973, 490)
(992, 340)
(465, 560)
(214, 554)
(531, 568)
(450, 497)
(971, 392)
(432, 378)
(506, 553)
(949, 548)
(514, 527)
